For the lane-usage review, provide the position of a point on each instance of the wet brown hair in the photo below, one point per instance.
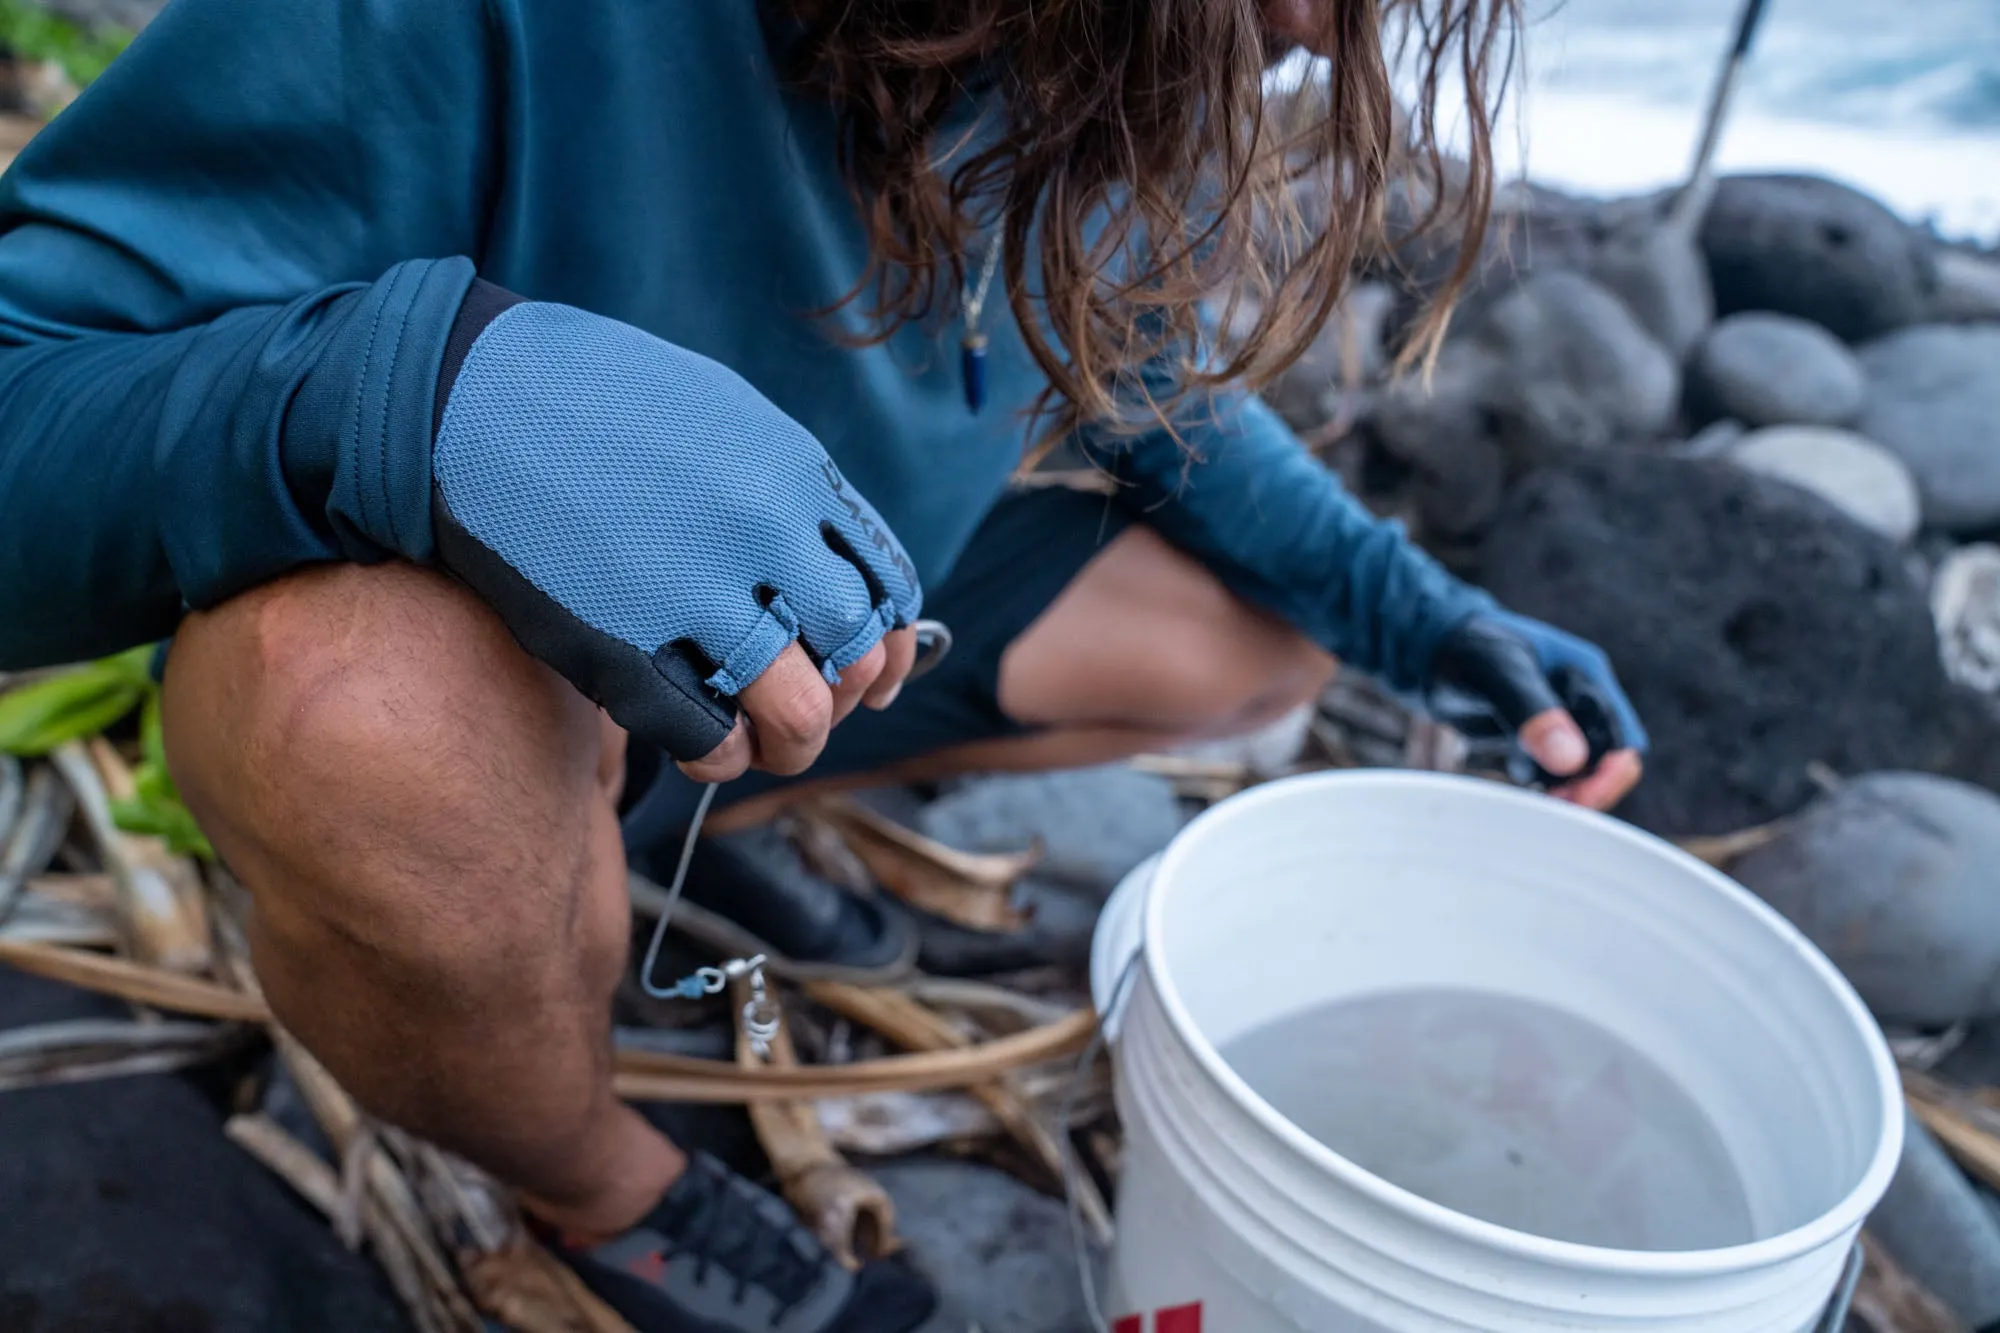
(1138, 131)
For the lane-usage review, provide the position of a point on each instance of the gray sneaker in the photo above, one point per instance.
(719, 1255)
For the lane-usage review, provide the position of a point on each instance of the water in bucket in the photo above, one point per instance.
(1504, 1109)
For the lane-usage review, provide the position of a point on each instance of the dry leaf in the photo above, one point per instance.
(849, 1212)
(966, 888)
(1724, 849)
(526, 1288)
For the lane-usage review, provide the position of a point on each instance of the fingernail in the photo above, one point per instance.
(1564, 751)
(882, 703)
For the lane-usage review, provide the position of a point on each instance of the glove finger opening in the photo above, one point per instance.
(1590, 704)
(836, 541)
(879, 593)
(837, 618)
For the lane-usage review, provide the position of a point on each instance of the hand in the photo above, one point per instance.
(1550, 688)
(789, 710)
(652, 527)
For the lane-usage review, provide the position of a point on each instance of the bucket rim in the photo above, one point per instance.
(1836, 1223)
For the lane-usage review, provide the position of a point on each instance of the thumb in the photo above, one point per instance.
(1554, 740)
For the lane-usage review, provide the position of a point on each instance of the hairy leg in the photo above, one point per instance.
(425, 817)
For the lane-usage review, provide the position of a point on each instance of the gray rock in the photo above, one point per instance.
(999, 1253)
(1538, 230)
(1094, 824)
(1934, 400)
(1892, 876)
(1713, 440)
(1757, 629)
(1848, 471)
(1308, 394)
(1662, 277)
(1061, 921)
(1578, 370)
(1933, 1223)
(1805, 246)
(1773, 370)
(1968, 287)
(1446, 436)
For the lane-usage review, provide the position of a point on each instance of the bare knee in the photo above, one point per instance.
(1245, 670)
(381, 763)
(1148, 638)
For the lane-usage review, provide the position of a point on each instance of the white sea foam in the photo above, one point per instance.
(1601, 143)
(1900, 98)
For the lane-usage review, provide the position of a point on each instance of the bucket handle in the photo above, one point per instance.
(1072, 1169)
(1835, 1318)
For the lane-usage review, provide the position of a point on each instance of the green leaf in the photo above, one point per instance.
(162, 815)
(152, 735)
(37, 718)
(33, 33)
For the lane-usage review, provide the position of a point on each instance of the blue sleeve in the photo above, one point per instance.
(227, 276)
(1280, 531)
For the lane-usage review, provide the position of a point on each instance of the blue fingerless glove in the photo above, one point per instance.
(1496, 670)
(646, 522)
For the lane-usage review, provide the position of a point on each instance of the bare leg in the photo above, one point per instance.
(1143, 650)
(426, 819)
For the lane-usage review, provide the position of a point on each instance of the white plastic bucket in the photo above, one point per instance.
(1303, 892)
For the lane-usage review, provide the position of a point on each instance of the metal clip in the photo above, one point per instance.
(762, 1018)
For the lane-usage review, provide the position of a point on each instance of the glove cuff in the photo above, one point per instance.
(484, 302)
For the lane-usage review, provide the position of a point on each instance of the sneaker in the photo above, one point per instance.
(720, 1255)
(751, 893)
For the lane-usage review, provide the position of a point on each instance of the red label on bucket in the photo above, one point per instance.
(1180, 1319)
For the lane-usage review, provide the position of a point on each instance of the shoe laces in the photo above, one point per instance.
(727, 1227)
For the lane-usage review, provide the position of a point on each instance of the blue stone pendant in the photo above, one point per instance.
(972, 370)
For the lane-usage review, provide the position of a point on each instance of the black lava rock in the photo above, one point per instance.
(123, 1209)
(1804, 246)
(1757, 628)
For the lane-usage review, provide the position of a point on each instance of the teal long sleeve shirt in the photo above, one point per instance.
(228, 272)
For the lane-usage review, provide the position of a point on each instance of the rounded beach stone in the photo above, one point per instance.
(1934, 401)
(1806, 246)
(1935, 1224)
(1849, 471)
(1579, 367)
(1771, 370)
(1093, 824)
(1892, 877)
(999, 1252)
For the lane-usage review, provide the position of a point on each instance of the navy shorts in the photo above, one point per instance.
(1026, 551)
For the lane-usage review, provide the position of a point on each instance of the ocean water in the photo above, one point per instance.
(1507, 1110)
(1899, 97)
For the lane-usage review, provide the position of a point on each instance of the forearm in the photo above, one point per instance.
(1279, 529)
(140, 474)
